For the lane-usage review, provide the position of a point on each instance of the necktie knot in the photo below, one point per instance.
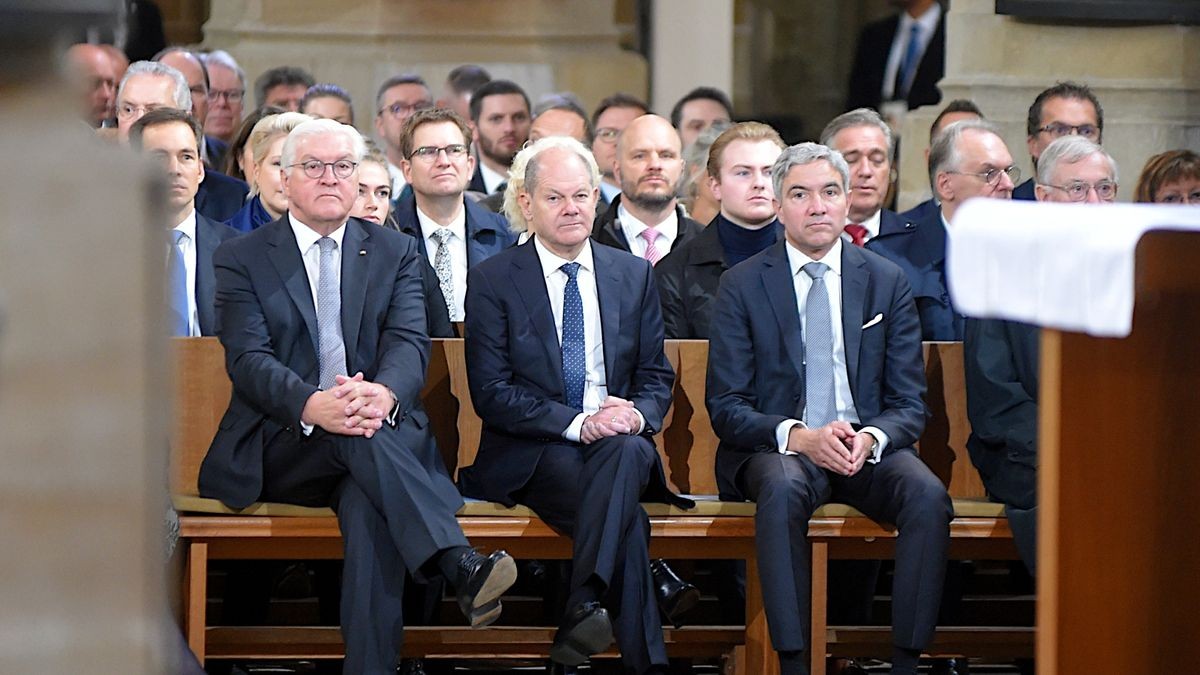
(442, 235)
(815, 270)
(571, 269)
(857, 232)
(649, 234)
(327, 244)
(177, 237)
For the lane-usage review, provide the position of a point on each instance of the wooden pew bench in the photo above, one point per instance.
(713, 530)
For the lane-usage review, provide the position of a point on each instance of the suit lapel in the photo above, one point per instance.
(855, 278)
(609, 292)
(285, 256)
(206, 244)
(780, 290)
(531, 285)
(356, 265)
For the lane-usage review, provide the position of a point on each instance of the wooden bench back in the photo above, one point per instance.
(687, 445)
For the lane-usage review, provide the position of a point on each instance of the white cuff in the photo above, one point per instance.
(641, 423)
(573, 430)
(306, 429)
(781, 435)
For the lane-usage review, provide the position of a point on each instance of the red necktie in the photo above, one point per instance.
(858, 233)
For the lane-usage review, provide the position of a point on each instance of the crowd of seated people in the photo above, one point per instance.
(564, 246)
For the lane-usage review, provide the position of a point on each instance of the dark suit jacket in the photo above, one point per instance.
(219, 196)
(870, 62)
(607, 230)
(1024, 191)
(269, 330)
(756, 361)
(688, 278)
(920, 250)
(209, 234)
(926, 210)
(215, 150)
(487, 232)
(514, 361)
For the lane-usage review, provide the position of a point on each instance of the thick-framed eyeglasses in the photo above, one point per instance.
(231, 95)
(992, 176)
(1058, 130)
(1077, 191)
(313, 168)
(405, 109)
(429, 153)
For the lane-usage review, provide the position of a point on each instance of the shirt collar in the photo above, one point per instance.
(397, 179)
(457, 226)
(872, 223)
(306, 236)
(551, 262)
(928, 20)
(797, 259)
(634, 226)
(188, 226)
(491, 179)
(609, 191)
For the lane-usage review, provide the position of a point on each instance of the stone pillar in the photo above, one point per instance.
(543, 45)
(692, 45)
(1146, 77)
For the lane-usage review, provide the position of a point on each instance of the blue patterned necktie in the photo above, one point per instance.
(574, 363)
(177, 298)
(912, 56)
(332, 358)
(818, 351)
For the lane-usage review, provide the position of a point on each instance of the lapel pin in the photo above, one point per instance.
(362, 252)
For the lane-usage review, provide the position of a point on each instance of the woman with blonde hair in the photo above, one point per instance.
(267, 200)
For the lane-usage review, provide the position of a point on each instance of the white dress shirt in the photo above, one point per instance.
(843, 400)
(310, 252)
(397, 178)
(595, 386)
(928, 22)
(187, 246)
(609, 191)
(491, 179)
(872, 224)
(458, 254)
(667, 230)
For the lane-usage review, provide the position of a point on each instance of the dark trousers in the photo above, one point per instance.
(394, 513)
(899, 490)
(592, 494)
(1013, 481)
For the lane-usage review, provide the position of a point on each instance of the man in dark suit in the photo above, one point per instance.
(739, 171)
(500, 114)
(173, 138)
(644, 218)
(814, 389)
(303, 302)
(567, 371)
(1066, 109)
(453, 233)
(900, 58)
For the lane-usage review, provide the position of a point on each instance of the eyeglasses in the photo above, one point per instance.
(403, 109)
(1058, 130)
(127, 110)
(199, 90)
(1078, 190)
(315, 168)
(230, 95)
(992, 176)
(607, 134)
(429, 153)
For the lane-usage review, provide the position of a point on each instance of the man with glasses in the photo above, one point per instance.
(453, 232)
(149, 85)
(1066, 109)
(500, 113)
(397, 99)
(326, 407)
(1001, 357)
(609, 119)
(226, 93)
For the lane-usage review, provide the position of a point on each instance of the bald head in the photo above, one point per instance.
(93, 82)
(197, 79)
(649, 165)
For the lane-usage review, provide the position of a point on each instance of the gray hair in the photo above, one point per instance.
(807, 153)
(317, 128)
(1070, 150)
(222, 58)
(943, 153)
(523, 174)
(183, 94)
(860, 117)
(569, 102)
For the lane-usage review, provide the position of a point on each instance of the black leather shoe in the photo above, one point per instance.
(411, 667)
(675, 596)
(585, 631)
(480, 583)
(950, 667)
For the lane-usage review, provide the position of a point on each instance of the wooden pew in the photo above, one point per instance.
(714, 530)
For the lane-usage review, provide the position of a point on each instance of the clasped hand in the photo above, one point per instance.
(615, 416)
(835, 446)
(352, 407)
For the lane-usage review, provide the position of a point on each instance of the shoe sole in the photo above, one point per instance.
(486, 615)
(502, 576)
(590, 636)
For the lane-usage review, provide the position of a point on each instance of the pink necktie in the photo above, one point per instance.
(650, 235)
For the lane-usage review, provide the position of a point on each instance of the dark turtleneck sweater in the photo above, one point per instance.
(740, 243)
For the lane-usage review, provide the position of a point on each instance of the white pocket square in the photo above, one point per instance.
(878, 317)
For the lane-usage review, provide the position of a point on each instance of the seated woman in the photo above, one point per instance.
(1171, 177)
(374, 189)
(267, 200)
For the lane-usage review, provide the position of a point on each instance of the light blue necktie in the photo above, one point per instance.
(177, 297)
(912, 57)
(818, 351)
(574, 362)
(332, 358)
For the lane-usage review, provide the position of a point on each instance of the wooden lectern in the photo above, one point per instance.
(1119, 532)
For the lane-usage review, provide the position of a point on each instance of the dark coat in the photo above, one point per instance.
(607, 230)
(209, 235)
(220, 196)
(870, 62)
